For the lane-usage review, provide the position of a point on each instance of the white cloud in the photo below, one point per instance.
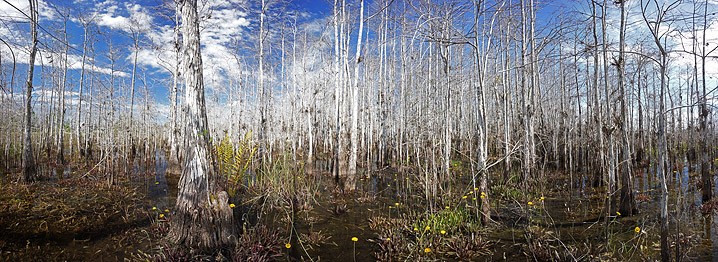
(8, 10)
(222, 25)
(131, 17)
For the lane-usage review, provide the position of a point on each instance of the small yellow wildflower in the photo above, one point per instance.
(157, 182)
(531, 203)
(388, 239)
(154, 208)
(542, 198)
(447, 207)
(473, 198)
(355, 239)
(416, 229)
(476, 189)
(463, 197)
(167, 210)
(427, 228)
(618, 213)
(427, 250)
(232, 205)
(396, 204)
(162, 215)
(443, 232)
(637, 230)
(288, 246)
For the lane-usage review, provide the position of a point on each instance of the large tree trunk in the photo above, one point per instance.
(627, 203)
(29, 170)
(203, 218)
(354, 138)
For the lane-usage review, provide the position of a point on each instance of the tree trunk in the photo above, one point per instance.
(354, 140)
(627, 204)
(706, 176)
(28, 159)
(203, 218)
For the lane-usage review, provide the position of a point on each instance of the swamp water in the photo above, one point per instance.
(567, 224)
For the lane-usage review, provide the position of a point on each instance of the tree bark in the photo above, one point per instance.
(627, 204)
(28, 159)
(203, 218)
(354, 138)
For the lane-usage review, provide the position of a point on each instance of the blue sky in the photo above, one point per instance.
(227, 23)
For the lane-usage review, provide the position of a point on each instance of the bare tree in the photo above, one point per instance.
(203, 216)
(354, 139)
(659, 35)
(28, 159)
(627, 204)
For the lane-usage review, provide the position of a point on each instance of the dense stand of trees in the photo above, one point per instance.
(511, 86)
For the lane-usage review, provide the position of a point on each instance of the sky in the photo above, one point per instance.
(116, 22)
(227, 25)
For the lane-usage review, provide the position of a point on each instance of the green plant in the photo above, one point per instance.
(448, 220)
(234, 163)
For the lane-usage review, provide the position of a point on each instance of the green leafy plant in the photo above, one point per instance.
(234, 163)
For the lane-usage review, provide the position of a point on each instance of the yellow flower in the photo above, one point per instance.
(355, 239)
(463, 197)
(474, 199)
(447, 207)
(162, 215)
(288, 246)
(232, 205)
(637, 230)
(477, 189)
(157, 182)
(427, 228)
(154, 208)
(416, 229)
(167, 210)
(388, 239)
(542, 198)
(618, 213)
(427, 250)
(443, 232)
(531, 203)
(396, 204)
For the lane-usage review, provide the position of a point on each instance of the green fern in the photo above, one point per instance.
(234, 163)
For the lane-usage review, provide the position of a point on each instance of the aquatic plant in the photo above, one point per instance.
(259, 244)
